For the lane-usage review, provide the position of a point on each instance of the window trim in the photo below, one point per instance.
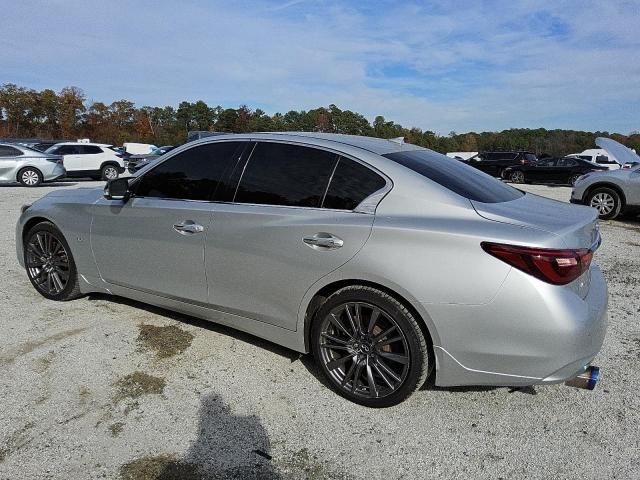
(367, 206)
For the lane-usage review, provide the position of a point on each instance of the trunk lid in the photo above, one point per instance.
(574, 226)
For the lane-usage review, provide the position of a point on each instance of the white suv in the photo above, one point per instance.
(95, 160)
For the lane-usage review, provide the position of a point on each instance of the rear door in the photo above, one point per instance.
(285, 228)
(8, 162)
(155, 241)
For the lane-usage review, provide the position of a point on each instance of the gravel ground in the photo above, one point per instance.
(107, 388)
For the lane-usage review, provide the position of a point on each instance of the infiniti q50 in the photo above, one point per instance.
(387, 261)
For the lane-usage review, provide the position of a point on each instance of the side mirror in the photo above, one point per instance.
(117, 189)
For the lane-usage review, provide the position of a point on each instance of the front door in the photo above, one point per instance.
(155, 241)
(286, 228)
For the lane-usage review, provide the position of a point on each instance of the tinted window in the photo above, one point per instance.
(67, 150)
(6, 151)
(195, 174)
(90, 149)
(351, 184)
(281, 174)
(602, 159)
(530, 157)
(456, 176)
(567, 162)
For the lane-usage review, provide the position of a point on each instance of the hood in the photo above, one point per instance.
(574, 225)
(621, 153)
(77, 195)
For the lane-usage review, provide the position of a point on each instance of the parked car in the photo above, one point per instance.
(611, 192)
(383, 259)
(95, 160)
(28, 166)
(598, 156)
(565, 170)
(494, 163)
(136, 162)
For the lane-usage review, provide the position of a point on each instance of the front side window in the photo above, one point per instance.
(283, 174)
(456, 176)
(7, 151)
(602, 159)
(351, 184)
(199, 173)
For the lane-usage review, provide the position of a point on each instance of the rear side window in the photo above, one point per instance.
(6, 151)
(199, 173)
(351, 184)
(67, 150)
(282, 174)
(456, 176)
(90, 149)
(530, 157)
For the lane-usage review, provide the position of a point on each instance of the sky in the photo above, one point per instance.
(465, 65)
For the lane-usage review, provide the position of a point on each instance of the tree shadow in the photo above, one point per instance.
(227, 446)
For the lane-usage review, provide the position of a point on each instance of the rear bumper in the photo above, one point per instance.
(531, 333)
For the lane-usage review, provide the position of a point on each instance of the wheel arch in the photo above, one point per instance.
(23, 168)
(32, 222)
(609, 185)
(109, 162)
(422, 317)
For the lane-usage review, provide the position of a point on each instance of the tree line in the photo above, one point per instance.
(67, 115)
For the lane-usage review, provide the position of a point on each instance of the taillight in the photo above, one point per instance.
(557, 267)
(55, 160)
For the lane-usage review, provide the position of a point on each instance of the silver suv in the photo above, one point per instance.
(388, 261)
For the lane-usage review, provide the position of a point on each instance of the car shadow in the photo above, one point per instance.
(200, 323)
(226, 446)
(44, 184)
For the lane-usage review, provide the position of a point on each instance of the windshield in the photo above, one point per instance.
(456, 176)
(51, 149)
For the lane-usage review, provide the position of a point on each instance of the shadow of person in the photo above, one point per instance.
(227, 447)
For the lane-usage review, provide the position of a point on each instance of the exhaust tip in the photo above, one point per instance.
(587, 380)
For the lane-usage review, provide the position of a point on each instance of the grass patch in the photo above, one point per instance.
(137, 384)
(164, 341)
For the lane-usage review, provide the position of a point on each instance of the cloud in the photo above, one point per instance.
(443, 66)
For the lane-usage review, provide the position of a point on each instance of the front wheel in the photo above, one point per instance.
(109, 172)
(369, 347)
(49, 263)
(607, 201)
(30, 177)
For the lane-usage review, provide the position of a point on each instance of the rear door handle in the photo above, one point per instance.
(188, 227)
(323, 241)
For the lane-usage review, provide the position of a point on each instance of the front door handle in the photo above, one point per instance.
(188, 227)
(323, 241)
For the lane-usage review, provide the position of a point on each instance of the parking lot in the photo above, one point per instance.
(108, 388)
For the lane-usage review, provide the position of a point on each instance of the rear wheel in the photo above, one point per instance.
(607, 201)
(574, 178)
(109, 172)
(49, 263)
(517, 176)
(369, 347)
(30, 177)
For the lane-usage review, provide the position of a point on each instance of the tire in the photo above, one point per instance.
(30, 177)
(49, 263)
(517, 176)
(607, 201)
(574, 178)
(390, 361)
(109, 172)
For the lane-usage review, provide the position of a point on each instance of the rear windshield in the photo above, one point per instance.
(456, 176)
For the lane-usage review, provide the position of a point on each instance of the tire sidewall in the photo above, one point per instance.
(104, 169)
(30, 169)
(574, 178)
(516, 173)
(616, 198)
(413, 335)
(52, 229)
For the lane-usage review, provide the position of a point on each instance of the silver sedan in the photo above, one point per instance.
(388, 262)
(27, 166)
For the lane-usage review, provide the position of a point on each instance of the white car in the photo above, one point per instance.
(95, 160)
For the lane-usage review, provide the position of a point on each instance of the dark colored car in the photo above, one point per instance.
(564, 170)
(494, 163)
(136, 162)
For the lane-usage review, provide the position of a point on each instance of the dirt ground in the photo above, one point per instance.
(108, 388)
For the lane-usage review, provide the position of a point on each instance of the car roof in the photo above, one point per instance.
(86, 143)
(380, 146)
